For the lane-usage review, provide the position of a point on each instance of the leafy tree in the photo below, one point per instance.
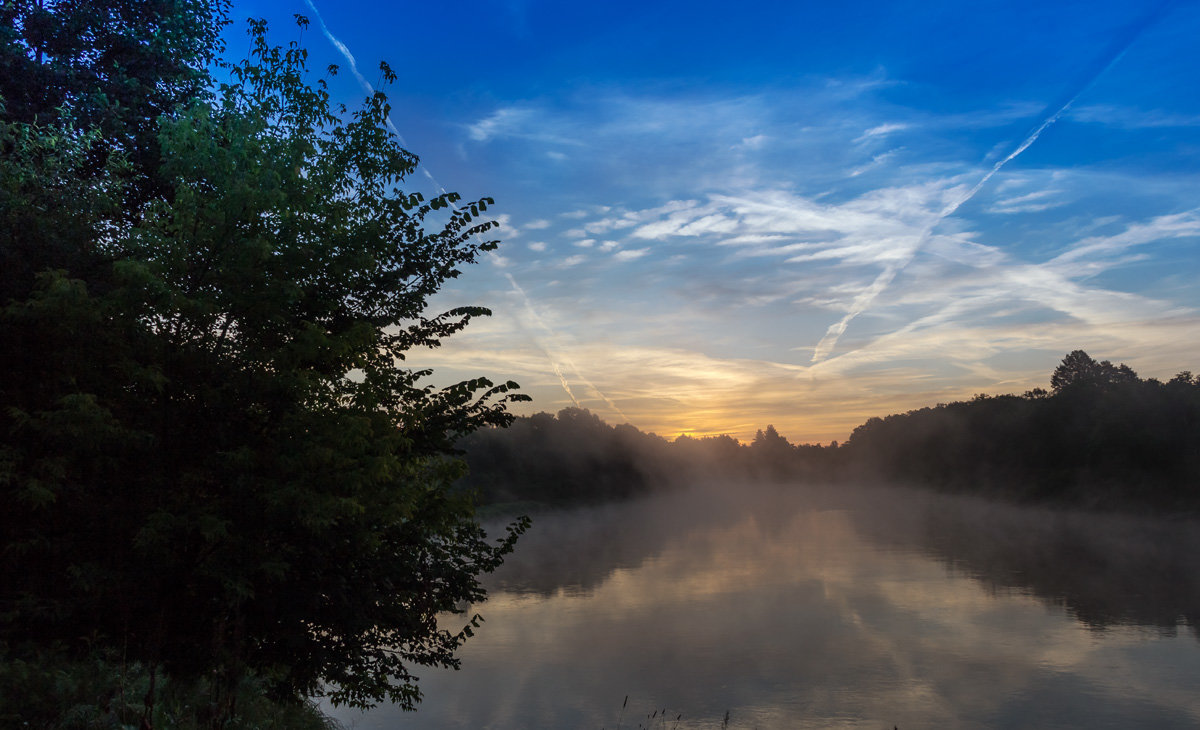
(1079, 369)
(1104, 437)
(773, 456)
(117, 64)
(571, 457)
(216, 460)
(113, 67)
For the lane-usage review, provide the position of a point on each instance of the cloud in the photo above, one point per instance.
(756, 142)
(1132, 118)
(946, 319)
(954, 291)
(1094, 249)
(518, 122)
(1036, 201)
(504, 221)
(631, 254)
(876, 161)
(502, 122)
(757, 256)
(881, 130)
(879, 227)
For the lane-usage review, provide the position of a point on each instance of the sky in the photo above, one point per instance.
(793, 213)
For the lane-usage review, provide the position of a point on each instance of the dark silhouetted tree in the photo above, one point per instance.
(1077, 368)
(111, 69)
(1103, 437)
(214, 459)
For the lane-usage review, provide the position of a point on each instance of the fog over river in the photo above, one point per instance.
(795, 607)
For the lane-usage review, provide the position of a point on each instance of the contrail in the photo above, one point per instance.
(537, 341)
(367, 87)
(885, 278)
(592, 386)
(1112, 54)
(533, 316)
(362, 80)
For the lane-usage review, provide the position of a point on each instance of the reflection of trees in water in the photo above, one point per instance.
(1103, 569)
(577, 549)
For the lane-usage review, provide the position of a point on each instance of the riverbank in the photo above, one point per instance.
(54, 692)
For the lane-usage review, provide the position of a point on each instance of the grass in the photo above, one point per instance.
(48, 692)
(660, 720)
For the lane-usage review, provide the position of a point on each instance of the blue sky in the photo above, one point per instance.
(797, 213)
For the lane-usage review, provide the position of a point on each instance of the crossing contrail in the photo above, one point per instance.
(553, 358)
(528, 303)
(1112, 54)
(537, 341)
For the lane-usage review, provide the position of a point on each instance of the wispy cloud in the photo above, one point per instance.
(868, 296)
(1038, 200)
(1094, 249)
(517, 122)
(962, 298)
(1132, 118)
(756, 142)
(631, 254)
(724, 255)
(881, 130)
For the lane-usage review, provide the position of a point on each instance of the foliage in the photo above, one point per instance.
(116, 65)
(1079, 370)
(574, 457)
(109, 69)
(1103, 437)
(45, 690)
(571, 457)
(215, 460)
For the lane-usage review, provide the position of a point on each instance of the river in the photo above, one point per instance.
(802, 607)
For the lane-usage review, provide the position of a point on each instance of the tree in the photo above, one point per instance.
(113, 67)
(117, 65)
(1079, 369)
(217, 461)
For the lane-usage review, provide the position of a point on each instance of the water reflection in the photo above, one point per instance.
(830, 608)
(1104, 569)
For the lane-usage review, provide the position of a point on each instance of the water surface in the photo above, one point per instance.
(791, 607)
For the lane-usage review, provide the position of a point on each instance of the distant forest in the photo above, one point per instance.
(1099, 437)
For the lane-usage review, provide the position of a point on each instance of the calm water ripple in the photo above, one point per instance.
(792, 607)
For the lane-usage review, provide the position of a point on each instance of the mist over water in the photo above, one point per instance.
(795, 606)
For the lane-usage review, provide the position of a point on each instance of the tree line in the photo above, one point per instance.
(1100, 436)
(575, 457)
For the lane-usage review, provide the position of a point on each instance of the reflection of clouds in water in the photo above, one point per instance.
(774, 606)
